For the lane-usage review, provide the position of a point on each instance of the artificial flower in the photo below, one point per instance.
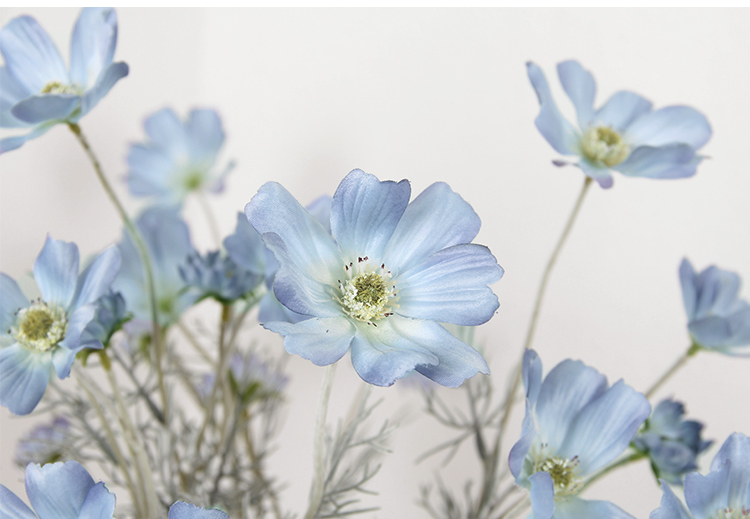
(45, 443)
(217, 276)
(182, 510)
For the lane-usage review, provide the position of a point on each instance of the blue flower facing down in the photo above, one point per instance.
(182, 510)
(178, 158)
(384, 278)
(37, 91)
(37, 336)
(59, 491)
(624, 135)
(723, 493)
(217, 276)
(575, 425)
(717, 318)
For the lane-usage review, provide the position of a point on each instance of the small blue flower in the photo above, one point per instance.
(217, 276)
(182, 510)
(624, 135)
(46, 333)
(37, 90)
(59, 491)
(717, 318)
(45, 443)
(178, 158)
(384, 278)
(671, 442)
(251, 378)
(575, 425)
(111, 314)
(723, 493)
(167, 239)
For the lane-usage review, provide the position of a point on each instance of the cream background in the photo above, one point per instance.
(435, 94)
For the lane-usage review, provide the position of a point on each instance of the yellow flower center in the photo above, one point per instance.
(56, 87)
(40, 326)
(369, 293)
(603, 145)
(564, 474)
(193, 180)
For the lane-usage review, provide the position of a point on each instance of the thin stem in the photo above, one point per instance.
(692, 350)
(213, 226)
(316, 495)
(195, 344)
(624, 461)
(258, 472)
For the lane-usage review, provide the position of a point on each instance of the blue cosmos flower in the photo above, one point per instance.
(45, 443)
(217, 276)
(723, 493)
(624, 135)
(178, 158)
(671, 442)
(36, 336)
(167, 239)
(382, 280)
(575, 425)
(36, 90)
(182, 510)
(717, 318)
(59, 491)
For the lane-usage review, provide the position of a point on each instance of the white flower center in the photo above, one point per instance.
(40, 326)
(601, 144)
(56, 87)
(564, 474)
(731, 513)
(368, 294)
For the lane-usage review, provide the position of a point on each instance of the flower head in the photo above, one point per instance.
(717, 318)
(178, 158)
(217, 276)
(111, 314)
(45, 443)
(384, 278)
(575, 424)
(38, 91)
(46, 333)
(624, 135)
(182, 510)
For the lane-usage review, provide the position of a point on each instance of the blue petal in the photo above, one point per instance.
(383, 358)
(543, 495)
(30, 56)
(550, 123)
(46, 107)
(576, 508)
(245, 247)
(205, 134)
(736, 449)
(521, 448)
(11, 300)
(15, 142)
(93, 44)
(668, 125)
(148, 172)
(364, 214)
(99, 503)
(77, 322)
(451, 286)
(56, 271)
(320, 209)
(111, 75)
(95, 281)
(63, 359)
(166, 131)
(24, 376)
(580, 86)
(532, 375)
(605, 427)
(11, 506)
(705, 495)
(711, 332)
(57, 490)
(602, 175)
(689, 289)
(182, 510)
(671, 507)
(436, 219)
(270, 309)
(622, 109)
(668, 161)
(321, 341)
(11, 92)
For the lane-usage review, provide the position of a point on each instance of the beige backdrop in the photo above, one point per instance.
(439, 94)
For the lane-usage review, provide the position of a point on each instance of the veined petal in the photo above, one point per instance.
(705, 495)
(550, 122)
(11, 506)
(451, 286)
(736, 449)
(56, 271)
(182, 510)
(63, 359)
(45, 107)
(320, 209)
(246, 247)
(270, 309)
(107, 79)
(580, 86)
(99, 503)
(668, 161)
(92, 46)
(11, 300)
(77, 322)
(57, 490)
(436, 219)
(24, 376)
(576, 508)
(622, 109)
(689, 289)
(205, 133)
(671, 507)
(322, 341)
(365, 212)
(95, 281)
(543, 496)
(671, 124)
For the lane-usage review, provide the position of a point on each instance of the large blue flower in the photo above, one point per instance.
(59, 491)
(575, 425)
(717, 318)
(182, 510)
(36, 90)
(36, 336)
(178, 158)
(381, 283)
(723, 493)
(624, 135)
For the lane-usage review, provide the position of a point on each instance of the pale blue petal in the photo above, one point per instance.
(11, 300)
(148, 172)
(270, 309)
(602, 175)
(56, 271)
(580, 86)
(30, 55)
(99, 503)
(57, 490)
(364, 214)
(436, 219)
(736, 449)
(711, 332)
(47, 107)
(205, 134)
(321, 341)
(451, 286)
(543, 495)
(550, 122)
(166, 131)
(576, 508)
(13, 143)
(111, 75)
(77, 322)
(92, 46)
(671, 507)
(532, 375)
(245, 247)
(320, 209)
(182, 510)
(24, 376)
(689, 289)
(96, 280)
(708, 284)
(381, 358)
(521, 448)
(11, 506)
(621, 110)
(11, 92)
(605, 427)
(63, 359)
(567, 389)
(704, 495)
(668, 161)
(671, 124)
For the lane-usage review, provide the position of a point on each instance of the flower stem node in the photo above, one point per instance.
(40, 326)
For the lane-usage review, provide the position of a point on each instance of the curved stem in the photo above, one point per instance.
(316, 496)
(692, 350)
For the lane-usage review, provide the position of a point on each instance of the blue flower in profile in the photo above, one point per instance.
(182, 510)
(624, 135)
(384, 278)
(59, 491)
(38, 91)
(167, 239)
(717, 318)
(723, 493)
(111, 314)
(671, 442)
(178, 158)
(37, 336)
(575, 425)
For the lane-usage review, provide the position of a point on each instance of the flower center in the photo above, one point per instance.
(56, 87)
(193, 180)
(40, 326)
(730, 513)
(369, 293)
(564, 474)
(604, 145)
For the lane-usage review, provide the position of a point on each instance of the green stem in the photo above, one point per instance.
(316, 495)
(692, 350)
